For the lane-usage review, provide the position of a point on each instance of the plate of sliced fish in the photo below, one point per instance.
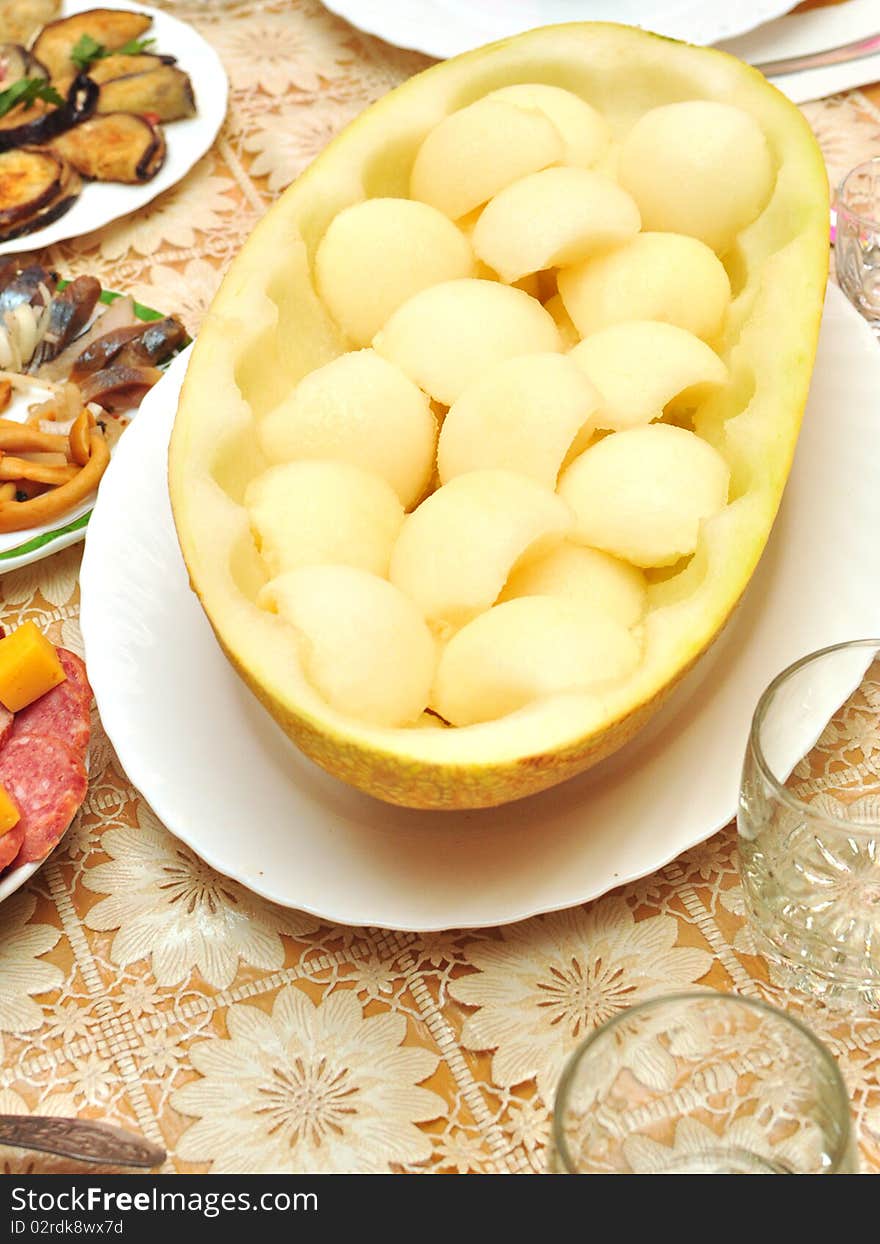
(101, 110)
(75, 362)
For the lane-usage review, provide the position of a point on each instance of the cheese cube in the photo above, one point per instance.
(29, 667)
(9, 813)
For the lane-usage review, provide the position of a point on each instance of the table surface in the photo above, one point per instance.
(139, 987)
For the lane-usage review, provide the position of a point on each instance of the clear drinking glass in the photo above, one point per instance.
(857, 244)
(809, 824)
(702, 1083)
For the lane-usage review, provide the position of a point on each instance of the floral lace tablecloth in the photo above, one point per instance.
(139, 987)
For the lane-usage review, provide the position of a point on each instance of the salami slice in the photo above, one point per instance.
(10, 844)
(47, 779)
(75, 669)
(62, 712)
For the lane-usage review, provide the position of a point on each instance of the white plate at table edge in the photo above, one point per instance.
(442, 28)
(101, 203)
(34, 543)
(212, 763)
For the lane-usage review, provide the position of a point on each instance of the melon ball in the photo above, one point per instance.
(308, 512)
(456, 550)
(640, 366)
(698, 167)
(361, 409)
(568, 334)
(377, 254)
(524, 650)
(523, 415)
(642, 494)
(447, 336)
(584, 131)
(655, 276)
(586, 577)
(364, 647)
(558, 216)
(477, 151)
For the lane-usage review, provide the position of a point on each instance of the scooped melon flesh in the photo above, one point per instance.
(556, 217)
(457, 549)
(697, 167)
(352, 625)
(586, 577)
(639, 367)
(311, 513)
(462, 164)
(524, 414)
(363, 410)
(268, 329)
(525, 650)
(654, 276)
(378, 253)
(642, 494)
(445, 337)
(584, 131)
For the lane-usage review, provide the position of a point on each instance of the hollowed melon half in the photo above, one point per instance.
(267, 329)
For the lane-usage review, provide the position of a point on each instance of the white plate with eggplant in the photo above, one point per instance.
(75, 362)
(101, 110)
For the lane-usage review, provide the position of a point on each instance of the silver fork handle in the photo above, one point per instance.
(815, 60)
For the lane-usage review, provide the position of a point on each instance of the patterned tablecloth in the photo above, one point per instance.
(139, 987)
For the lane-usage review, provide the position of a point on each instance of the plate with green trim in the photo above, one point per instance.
(21, 548)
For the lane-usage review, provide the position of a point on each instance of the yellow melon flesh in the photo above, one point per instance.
(586, 577)
(380, 252)
(353, 626)
(477, 151)
(447, 336)
(556, 217)
(642, 494)
(359, 409)
(584, 131)
(655, 276)
(309, 512)
(267, 329)
(456, 550)
(523, 415)
(526, 650)
(697, 167)
(640, 366)
(568, 334)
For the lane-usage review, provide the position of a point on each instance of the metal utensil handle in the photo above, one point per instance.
(815, 60)
(84, 1140)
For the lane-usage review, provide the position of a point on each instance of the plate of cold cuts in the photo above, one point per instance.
(43, 754)
(101, 110)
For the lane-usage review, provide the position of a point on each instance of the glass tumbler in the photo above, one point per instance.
(702, 1083)
(809, 824)
(857, 244)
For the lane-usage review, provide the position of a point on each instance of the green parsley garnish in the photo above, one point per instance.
(26, 91)
(86, 50)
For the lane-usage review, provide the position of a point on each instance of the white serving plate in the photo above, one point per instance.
(444, 28)
(227, 781)
(102, 202)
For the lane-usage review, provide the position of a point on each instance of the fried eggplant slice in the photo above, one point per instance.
(41, 122)
(52, 184)
(69, 312)
(20, 19)
(115, 147)
(112, 28)
(16, 62)
(164, 92)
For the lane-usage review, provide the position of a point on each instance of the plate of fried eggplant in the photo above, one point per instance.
(101, 110)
